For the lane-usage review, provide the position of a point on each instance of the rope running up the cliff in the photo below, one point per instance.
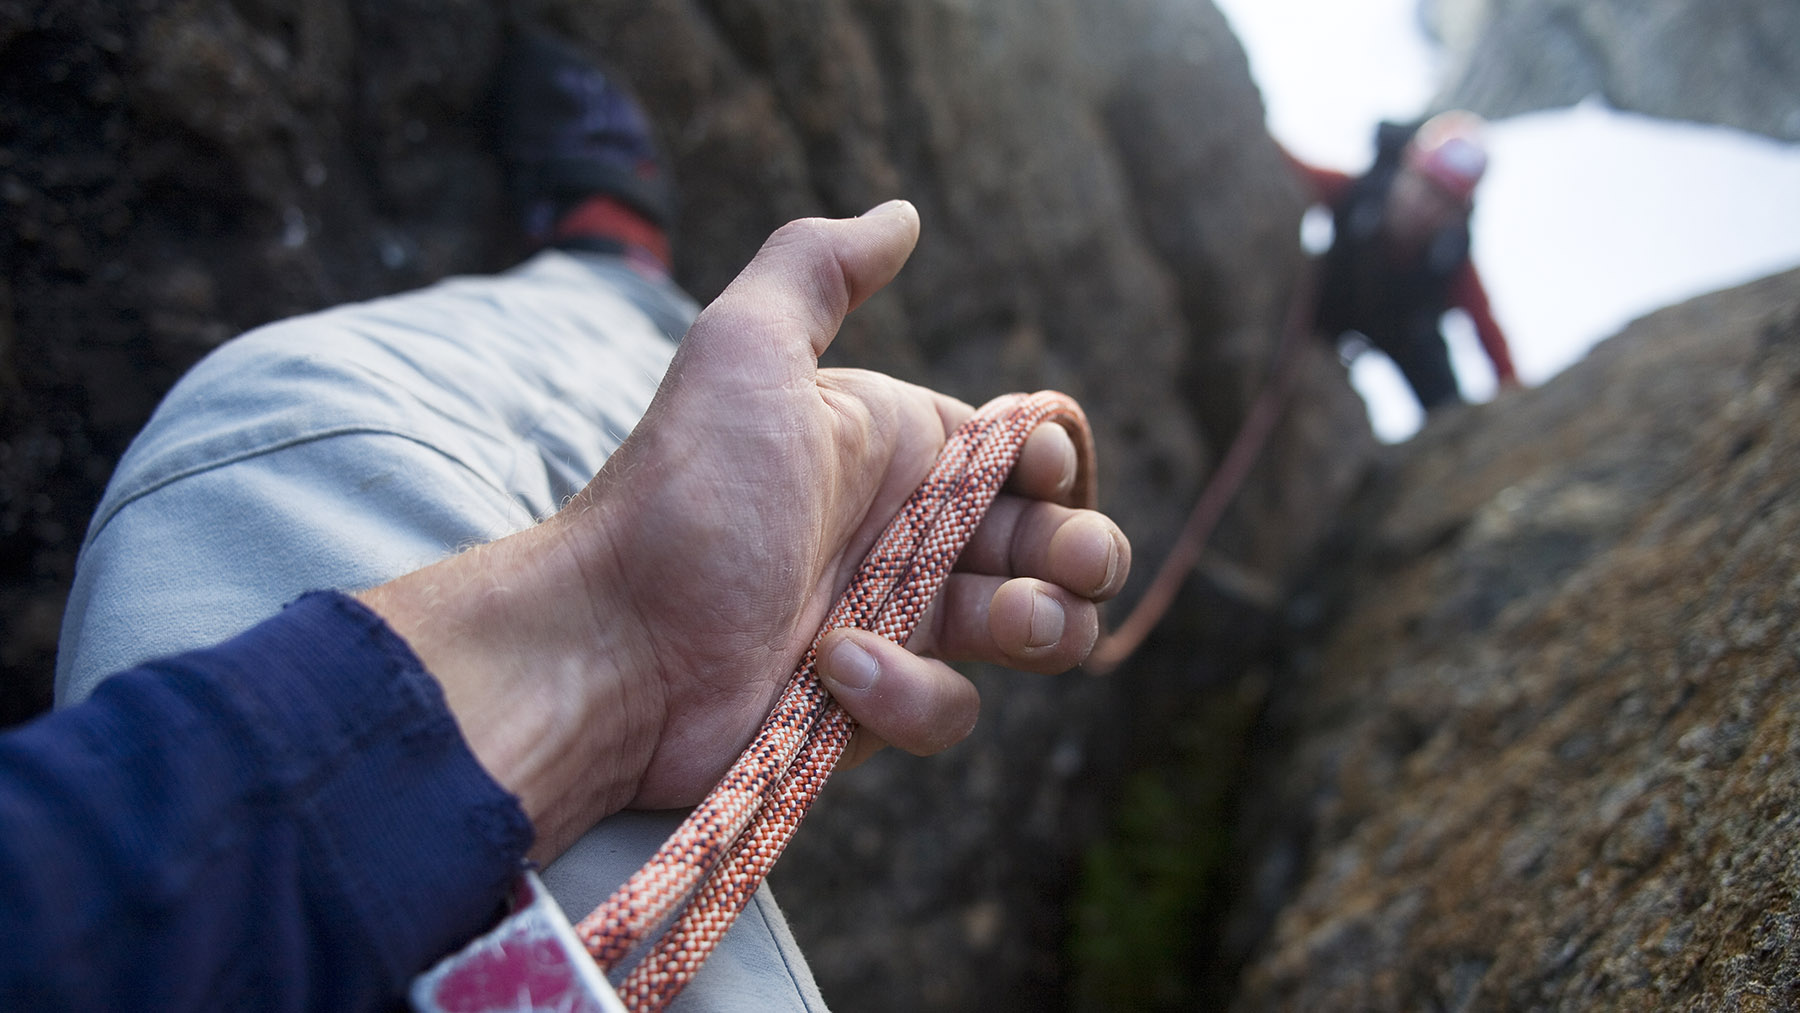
(1119, 643)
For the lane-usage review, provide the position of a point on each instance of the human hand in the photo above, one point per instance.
(624, 651)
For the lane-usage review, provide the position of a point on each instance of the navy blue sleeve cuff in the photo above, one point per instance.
(289, 820)
(416, 839)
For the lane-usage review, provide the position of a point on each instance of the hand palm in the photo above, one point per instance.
(625, 650)
(749, 435)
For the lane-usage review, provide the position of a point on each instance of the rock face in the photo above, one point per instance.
(1103, 213)
(1734, 62)
(1547, 757)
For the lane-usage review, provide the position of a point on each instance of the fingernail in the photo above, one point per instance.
(1046, 621)
(851, 667)
(1117, 549)
(1115, 558)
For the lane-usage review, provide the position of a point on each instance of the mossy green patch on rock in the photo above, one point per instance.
(1152, 893)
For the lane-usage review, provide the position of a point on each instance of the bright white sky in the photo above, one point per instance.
(1587, 219)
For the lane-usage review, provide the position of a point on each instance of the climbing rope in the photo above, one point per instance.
(1122, 641)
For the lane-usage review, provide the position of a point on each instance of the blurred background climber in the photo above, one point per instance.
(1399, 254)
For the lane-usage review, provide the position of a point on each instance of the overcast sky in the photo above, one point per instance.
(1587, 219)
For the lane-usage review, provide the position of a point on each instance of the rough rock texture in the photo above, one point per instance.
(1731, 62)
(173, 173)
(1547, 759)
(1103, 213)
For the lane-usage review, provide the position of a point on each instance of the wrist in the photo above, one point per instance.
(508, 631)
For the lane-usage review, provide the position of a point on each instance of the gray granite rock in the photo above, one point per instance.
(1545, 758)
(1731, 62)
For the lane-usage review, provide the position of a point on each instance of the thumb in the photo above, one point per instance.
(792, 298)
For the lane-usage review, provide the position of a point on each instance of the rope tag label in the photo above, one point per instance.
(530, 962)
